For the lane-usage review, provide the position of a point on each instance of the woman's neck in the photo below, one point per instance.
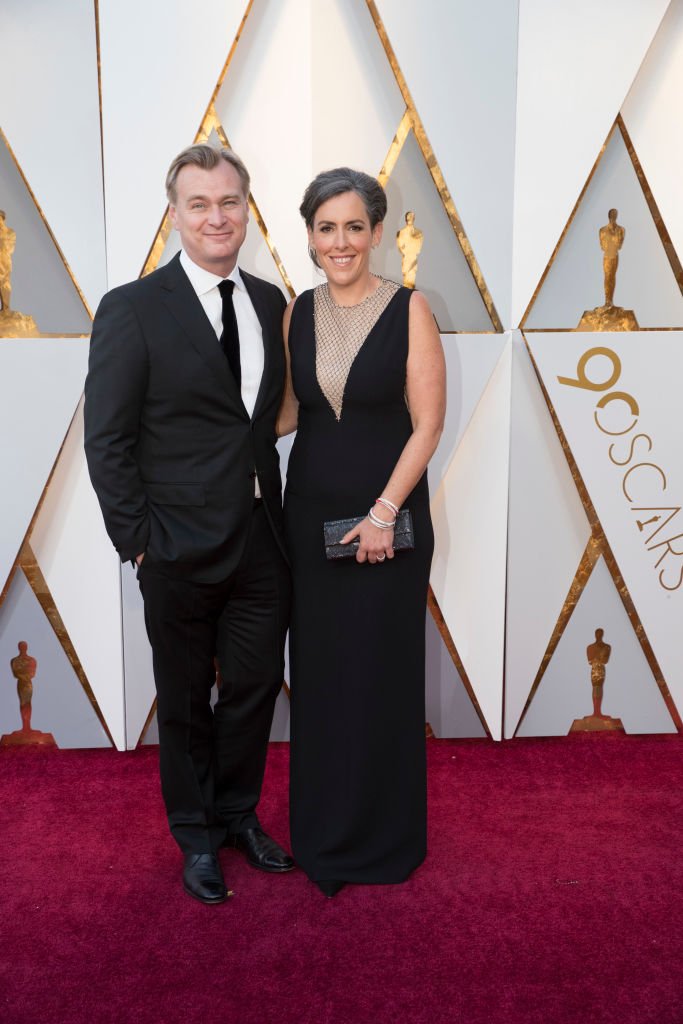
(355, 293)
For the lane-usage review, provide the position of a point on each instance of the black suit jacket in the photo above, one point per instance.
(171, 449)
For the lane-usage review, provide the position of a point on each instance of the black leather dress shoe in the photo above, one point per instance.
(260, 850)
(203, 878)
(330, 887)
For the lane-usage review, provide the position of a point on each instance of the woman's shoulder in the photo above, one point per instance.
(418, 301)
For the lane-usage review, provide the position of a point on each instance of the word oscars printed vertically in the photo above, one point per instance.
(645, 481)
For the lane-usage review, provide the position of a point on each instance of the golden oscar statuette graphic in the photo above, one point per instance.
(12, 324)
(598, 655)
(409, 242)
(24, 668)
(609, 317)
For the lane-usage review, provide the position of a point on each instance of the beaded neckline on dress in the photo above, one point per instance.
(339, 335)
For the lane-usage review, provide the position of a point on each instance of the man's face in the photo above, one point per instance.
(211, 214)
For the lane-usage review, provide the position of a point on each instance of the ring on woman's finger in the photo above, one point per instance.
(380, 558)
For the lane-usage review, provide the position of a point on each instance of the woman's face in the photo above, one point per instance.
(342, 238)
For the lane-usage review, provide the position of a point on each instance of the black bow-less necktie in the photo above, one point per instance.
(230, 339)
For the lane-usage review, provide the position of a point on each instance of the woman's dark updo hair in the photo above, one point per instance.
(336, 182)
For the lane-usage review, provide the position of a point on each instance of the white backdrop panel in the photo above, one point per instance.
(470, 361)
(51, 116)
(470, 525)
(576, 65)
(460, 60)
(351, 134)
(160, 64)
(34, 418)
(634, 473)
(547, 533)
(651, 114)
(265, 108)
(82, 571)
(310, 86)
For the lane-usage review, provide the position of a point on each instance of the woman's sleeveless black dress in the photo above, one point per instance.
(358, 773)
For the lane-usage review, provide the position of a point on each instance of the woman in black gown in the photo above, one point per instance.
(366, 393)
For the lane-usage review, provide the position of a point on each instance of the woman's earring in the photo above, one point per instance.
(314, 259)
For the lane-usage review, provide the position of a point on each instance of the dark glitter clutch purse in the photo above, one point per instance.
(334, 530)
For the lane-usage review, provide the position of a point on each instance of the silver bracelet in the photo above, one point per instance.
(387, 504)
(376, 521)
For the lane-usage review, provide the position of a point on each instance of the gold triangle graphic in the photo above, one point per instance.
(38, 584)
(597, 545)
(412, 120)
(42, 334)
(395, 148)
(662, 231)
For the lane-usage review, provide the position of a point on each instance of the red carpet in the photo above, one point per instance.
(551, 895)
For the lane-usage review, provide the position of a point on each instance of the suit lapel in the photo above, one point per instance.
(181, 299)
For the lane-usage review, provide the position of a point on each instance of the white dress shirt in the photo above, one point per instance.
(205, 285)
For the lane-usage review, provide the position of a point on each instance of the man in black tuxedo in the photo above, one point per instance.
(185, 380)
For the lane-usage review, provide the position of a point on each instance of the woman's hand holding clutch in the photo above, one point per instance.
(375, 543)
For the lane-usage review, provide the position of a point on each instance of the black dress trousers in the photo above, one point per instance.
(212, 760)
